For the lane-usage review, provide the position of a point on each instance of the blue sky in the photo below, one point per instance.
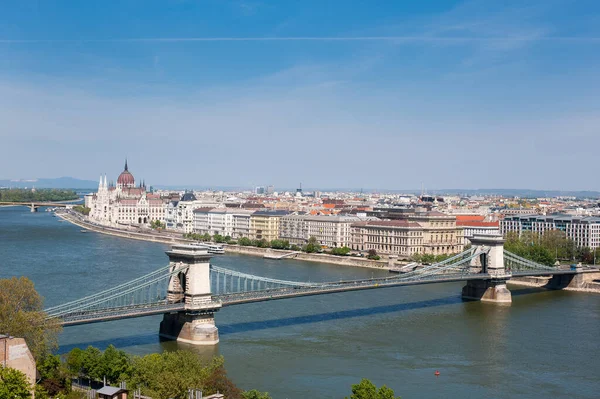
(373, 94)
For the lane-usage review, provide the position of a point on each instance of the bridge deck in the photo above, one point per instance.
(230, 299)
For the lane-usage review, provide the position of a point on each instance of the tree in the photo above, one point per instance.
(52, 375)
(262, 243)
(74, 362)
(92, 363)
(254, 394)
(218, 238)
(367, 390)
(158, 225)
(22, 315)
(244, 241)
(373, 255)
(312, 246)
(13, 384)
(82, 209)
(170, 374)
(116, 365)
(280, 244)
(343, 251)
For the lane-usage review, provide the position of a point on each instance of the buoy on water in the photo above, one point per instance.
(436, 373)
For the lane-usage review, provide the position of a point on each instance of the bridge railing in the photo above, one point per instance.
(515, 262)
(146, 290)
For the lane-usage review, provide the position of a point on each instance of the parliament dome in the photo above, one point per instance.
(126, 179)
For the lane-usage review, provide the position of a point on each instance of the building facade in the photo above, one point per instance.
(330, 231)
(124, 203)
(584, 231)
(265, 224)
(392, 237)
(410, 233)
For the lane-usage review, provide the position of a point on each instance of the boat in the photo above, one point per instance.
(215, 249)
(83, 231)
(211, 248)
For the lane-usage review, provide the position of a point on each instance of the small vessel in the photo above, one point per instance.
(83, 231)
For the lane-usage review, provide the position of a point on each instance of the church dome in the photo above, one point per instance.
(126, 178)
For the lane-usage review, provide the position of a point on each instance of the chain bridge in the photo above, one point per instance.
(190, 290)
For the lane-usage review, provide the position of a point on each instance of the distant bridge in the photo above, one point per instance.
(35, 205)
(189, 290)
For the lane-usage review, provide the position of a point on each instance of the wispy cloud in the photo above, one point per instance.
(397, 39)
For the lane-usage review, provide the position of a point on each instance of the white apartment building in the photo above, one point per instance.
(331, 231)
(584, 231)
(224, 221)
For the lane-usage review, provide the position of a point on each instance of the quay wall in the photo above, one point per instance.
(236, 249)
(320, 258)
(592, 283)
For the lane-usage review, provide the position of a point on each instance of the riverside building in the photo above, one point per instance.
(410, 233)
(330, 231)
(124, 203)
(584, 231)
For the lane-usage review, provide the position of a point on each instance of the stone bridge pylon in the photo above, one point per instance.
(490, 261)
(196, 323)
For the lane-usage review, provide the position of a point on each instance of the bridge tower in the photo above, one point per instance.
(490, 261)
(196, 323)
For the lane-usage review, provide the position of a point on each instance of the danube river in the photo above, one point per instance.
(547, 344)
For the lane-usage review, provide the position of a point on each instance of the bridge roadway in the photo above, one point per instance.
(59, 204)
(238, 298)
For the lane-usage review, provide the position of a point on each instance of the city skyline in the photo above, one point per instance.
(452, 93)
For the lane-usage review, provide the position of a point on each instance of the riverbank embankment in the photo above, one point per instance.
(592, 285)
(168, 239)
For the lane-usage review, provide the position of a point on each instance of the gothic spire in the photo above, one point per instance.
(126, 165)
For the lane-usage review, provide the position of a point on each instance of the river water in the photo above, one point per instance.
(547, 344)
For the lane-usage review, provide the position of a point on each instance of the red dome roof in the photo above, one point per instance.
(126, 178)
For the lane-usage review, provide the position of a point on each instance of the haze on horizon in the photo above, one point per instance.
(452, 94)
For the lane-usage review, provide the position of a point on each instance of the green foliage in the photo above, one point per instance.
(157, 225)
(40, 195)
(13, 384)
(343, 251)
(280, 244)
(245, 241)
(170, 374)
(41, 393)
(22, 315)
(74, 361)
(161, 376)
(312, 246)
(116, 365)
(295, 247)
(254, 394)
(82, 209)
(262, 243)
(430, 258)
(92, 363)
(530, 245)
(218, 238)
(53, 377)
(197, 236)
(372, 254)
(367, 390)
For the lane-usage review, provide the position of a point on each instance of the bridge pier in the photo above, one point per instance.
(189, 328)
(491, 262)
(33, 208)
(196, 323)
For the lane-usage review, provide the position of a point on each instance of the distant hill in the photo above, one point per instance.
(59, 182)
